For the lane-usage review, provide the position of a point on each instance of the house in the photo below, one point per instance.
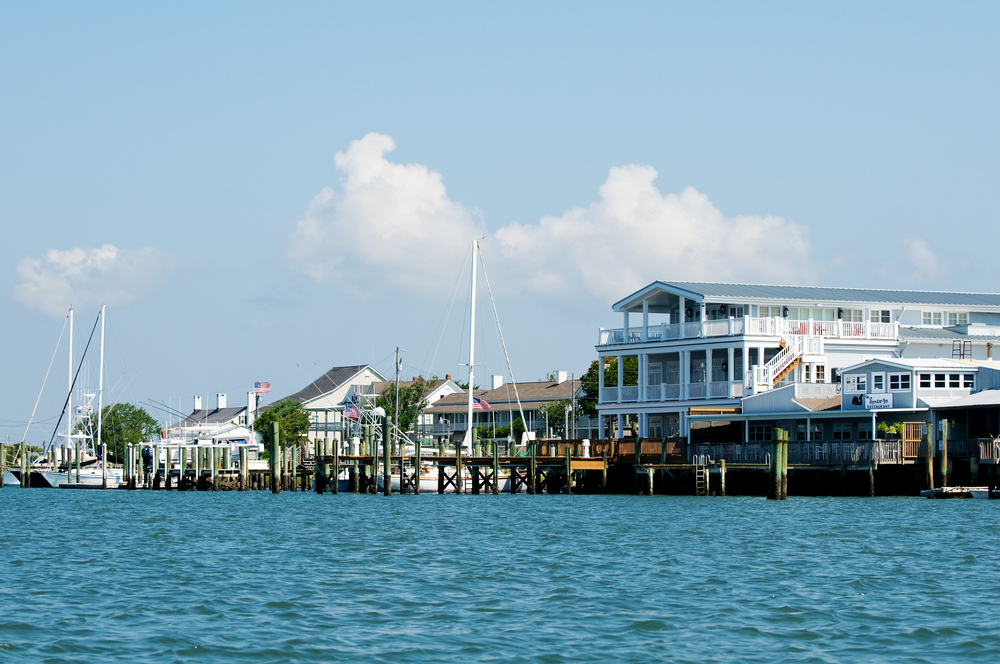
(222, 422)
(702, 350)
(324, 398)
(447, 419)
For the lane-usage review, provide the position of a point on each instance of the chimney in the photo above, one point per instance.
(562, 376)
(414, 379)
(220, 401)
(447, 376)
(197, 403)
(497, 381)
(989, 351)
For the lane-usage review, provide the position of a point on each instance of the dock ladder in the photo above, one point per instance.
(700, 480)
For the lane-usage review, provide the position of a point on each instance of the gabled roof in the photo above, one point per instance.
(817, 405)
(330, 381)
(216, 416)
(720, 292)
(533, 395)
(431, 385)
(911, 363)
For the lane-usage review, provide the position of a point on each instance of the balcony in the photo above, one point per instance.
(749, 325)
(671, 392)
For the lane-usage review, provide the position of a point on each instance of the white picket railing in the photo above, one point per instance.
(767, 327)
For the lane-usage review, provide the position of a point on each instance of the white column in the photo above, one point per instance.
(601, 432)
(600, 379)
(702, 317)
(621, 374)
(708, 373)
(625, 326)
(643, 375)
(746, 431)
(644, 425)
(621, 424)
(685, 362)
(681, 318)
(645, 319)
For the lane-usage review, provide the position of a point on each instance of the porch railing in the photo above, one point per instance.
(849, 453)
(767, 327)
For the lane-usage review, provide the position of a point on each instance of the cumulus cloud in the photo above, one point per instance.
(391, 224)
(915, 262)
(88, 277)
(394, 222)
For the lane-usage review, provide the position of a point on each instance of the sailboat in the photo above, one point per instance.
(84, 465)
(429, 470)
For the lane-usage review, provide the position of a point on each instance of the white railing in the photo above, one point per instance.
(697, 390)
(609, 395)
(768, 327)
(719, 390)
(736, 390)
(861, 452)
(671, 391)
(630, 393)
(654, 393)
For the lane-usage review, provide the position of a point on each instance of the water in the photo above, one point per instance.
(250, 577)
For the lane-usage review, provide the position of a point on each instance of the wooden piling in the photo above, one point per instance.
(784, 465)
(532, 469)
(722, 477)
(273, 460)
(871, 480)
(386, 459)
(496, 469)
(944, 453)
(569, 471)
(334, 477)
(3, 462)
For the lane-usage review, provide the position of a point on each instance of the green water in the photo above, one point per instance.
(250, 577)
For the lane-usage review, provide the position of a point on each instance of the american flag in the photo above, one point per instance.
(261, 388)
(479, 404)
(352, 413)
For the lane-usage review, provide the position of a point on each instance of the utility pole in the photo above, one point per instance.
(572, 392)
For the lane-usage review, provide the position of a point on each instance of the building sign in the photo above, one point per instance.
(878, 401)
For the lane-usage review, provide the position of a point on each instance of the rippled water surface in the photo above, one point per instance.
(164, 577)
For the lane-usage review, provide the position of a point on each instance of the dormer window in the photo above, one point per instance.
(880, 316)
(957, 319)
(932, 318)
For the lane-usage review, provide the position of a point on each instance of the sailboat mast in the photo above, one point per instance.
(100, 385)
(472, 342)
(69, 389)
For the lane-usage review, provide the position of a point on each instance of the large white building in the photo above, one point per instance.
(687, 349)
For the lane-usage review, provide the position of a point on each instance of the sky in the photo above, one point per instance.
(263, 191)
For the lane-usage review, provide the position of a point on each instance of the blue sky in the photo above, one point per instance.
(596, 147)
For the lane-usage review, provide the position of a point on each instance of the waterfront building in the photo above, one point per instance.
(325, 398)
(705, 350)
(447, 419)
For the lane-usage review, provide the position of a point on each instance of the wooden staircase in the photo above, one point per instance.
(787, 370)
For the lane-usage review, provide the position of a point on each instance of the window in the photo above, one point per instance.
(932, 318)
(954, 380)
(968, 380)
(925, 381)
(759, 433)
(878, 383)
(855, 383)
(842, 431)
(853, 316)
(958, 319)
(820, 373)
(939, 380)
(655, 375)
(880, 316)
(899, 382)
(865, 431)
(769, 312)
(807, 378)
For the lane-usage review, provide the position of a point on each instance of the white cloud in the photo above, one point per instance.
(88, 277)
(915, 262)
(393, 225)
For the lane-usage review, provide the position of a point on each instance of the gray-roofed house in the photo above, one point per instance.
(709, 345)
(324, 397)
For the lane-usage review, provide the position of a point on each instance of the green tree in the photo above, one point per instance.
(516, 429)
(412, 400)
(121, 424)
(590, 383)
(291, 417)
(556, 412)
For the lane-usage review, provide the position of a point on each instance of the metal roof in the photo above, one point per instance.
(942, 334)
(771, 293)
